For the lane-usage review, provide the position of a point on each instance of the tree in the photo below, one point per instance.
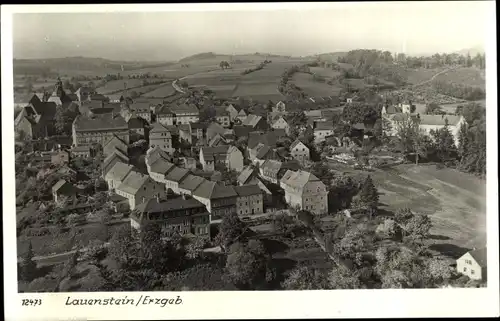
(231, 230)
(369, 196)
(133, 94)
(444, 142)
(410, 138)
(207, 114)
(284, 224)
(341, 277)
(247, 265)
(433, 109)
(28, 267)
(418, 227)
(305, 278)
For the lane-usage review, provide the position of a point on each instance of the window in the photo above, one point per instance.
(472, 272)
(465, 269)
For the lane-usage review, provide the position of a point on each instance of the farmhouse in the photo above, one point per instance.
(160, 136)
(185, 114)
(228, 156)
(219, 199)
(299, 151)
(255, 122)
(137, 187)
(473, 264)
(99, 129)
(322, 130)
(250, 200)
(176, 216)
(304, 191)
(280, 123)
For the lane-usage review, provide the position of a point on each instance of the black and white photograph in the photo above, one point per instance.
(341, 147)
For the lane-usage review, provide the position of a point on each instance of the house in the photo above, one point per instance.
(304, 191)
(281, 123)
(280, 107)
(155, 153)
(116, 175)
(426, 123)
(141, 109)
(198, 130)
(473, 264)
(242, 115)
(115, 98)
(175, 177)
(233, 112)
(266, 138)
(63, 188)
(82, 151)
(182, 216)
(119, 203)
(138, 187)
(99, 129)
(269, 171)
(213, 130)
(250, 200)
(219, 199)
(137, 127)
(185, 113)
(165, 116)
(190, 184)
(322, 130)
(20, 101)
(60, 157)
(113, 144)
(241, 131)
(83, 93)
(299, 151)
(222, 116)
(36, 120)
(160, 136)
(229, 156)
(217, 140)
(255, 122)
(110, 161)
(159, 170)
(249, 176)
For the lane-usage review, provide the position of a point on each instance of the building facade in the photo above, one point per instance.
(304, 191)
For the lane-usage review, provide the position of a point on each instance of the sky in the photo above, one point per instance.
(410, 27)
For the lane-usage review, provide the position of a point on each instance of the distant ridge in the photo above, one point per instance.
(203, 55)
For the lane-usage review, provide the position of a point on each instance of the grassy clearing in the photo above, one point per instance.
(465, 76)
(314, 88)
(416, 76)
(324, 72)
(163, 91)
(456, 201)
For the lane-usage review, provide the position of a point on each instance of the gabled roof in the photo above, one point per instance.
(211, 151)
(392, 109)
(133, 182)
(295, 143)
(99, 122)
(298, 179)
(191, 182)
(164, 111)
(262, 151)
(119, 171)
(221, 111)
(480, 256)
(177, 174)
(168, 205)
(271, 165)
(136, 122)
(269, 138)
(184, 109)
(61, 184)
(116, 155)
(160, 166)
(159, 128)
(324, 125)
(245, 174)
(241, 131)
(117, 142)
(156, 153)
(252, 120)
(140, 106)
(247, 190)
(214, 190)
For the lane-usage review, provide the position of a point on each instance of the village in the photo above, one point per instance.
(99, 173)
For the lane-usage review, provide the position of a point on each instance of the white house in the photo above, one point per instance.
(281, 123)
(299, 151)
(138, 188)
(473, 264)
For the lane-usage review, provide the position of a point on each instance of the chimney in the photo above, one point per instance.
(158, 198)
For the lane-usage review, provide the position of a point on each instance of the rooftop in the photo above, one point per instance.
(168, 205)
(119, 171)
(161, 166)
(177, 174)
(100, 122)
(133, 182)
(191, 182)
(298, 179)
(480, 256)
(247, 190)
(214, 190)
(324, 125)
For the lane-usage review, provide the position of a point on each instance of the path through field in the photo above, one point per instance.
(433, 77)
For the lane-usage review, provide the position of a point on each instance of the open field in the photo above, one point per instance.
(465, 76)
(314, 88)
(324, 72)
(116, 85)
(455, 201)
(417, 76)
(160, 92)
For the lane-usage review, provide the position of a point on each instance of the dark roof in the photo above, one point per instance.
(78, 149)
(168, 205)
(158, 128)
(184, 109)
(136, 122)
(211, 151)
(99, 122)
(324, 125)
(191, 182)
(241, 131)
(140, 106)
(177, 174)
(164, 110)
(198, 125)
(480, 256)
(161, 166)
(269, 138)
(247, 190)
(214, 190)
(46, 109)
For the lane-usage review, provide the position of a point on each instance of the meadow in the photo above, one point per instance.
(465, 76)
(314, 88)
